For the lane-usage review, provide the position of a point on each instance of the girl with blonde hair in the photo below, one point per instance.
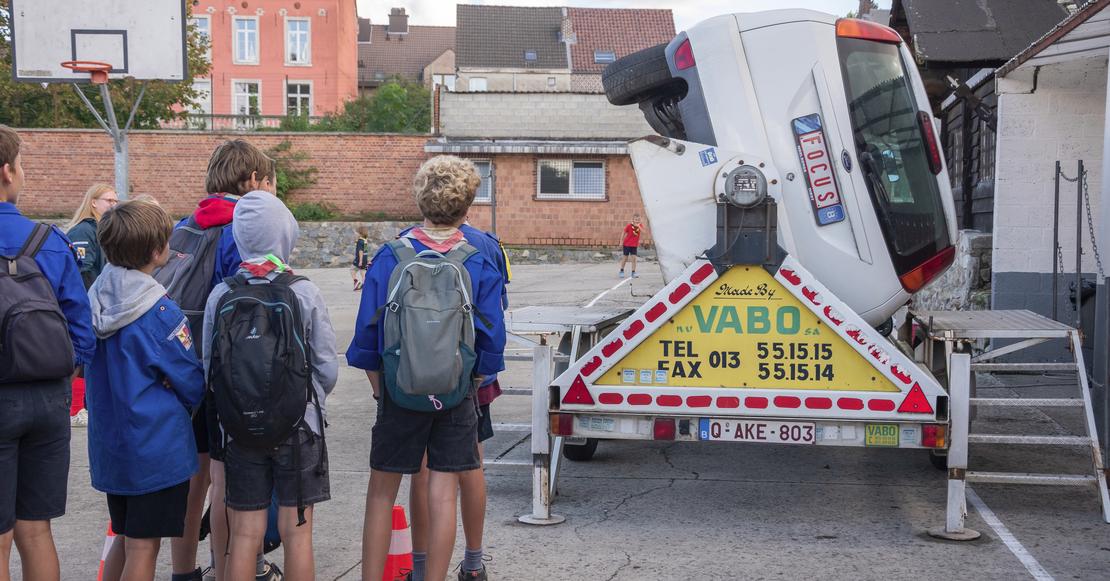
(82, 229)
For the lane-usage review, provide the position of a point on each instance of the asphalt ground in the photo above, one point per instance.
(646, 510)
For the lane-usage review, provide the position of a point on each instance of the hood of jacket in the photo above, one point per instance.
(119, 297)
(262, 226)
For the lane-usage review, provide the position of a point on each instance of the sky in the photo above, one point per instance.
(686, 12)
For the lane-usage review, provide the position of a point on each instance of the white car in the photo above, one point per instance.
(838, 112)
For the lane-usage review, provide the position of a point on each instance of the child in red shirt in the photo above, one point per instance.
(630, 243)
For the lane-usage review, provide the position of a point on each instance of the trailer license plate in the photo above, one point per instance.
(818, 168)
(747, 431)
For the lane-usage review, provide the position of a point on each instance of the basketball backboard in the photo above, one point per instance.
(144, 39)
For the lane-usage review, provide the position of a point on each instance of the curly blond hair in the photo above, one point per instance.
(445, 187)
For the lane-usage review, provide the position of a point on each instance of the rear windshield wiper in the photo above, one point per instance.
(870, 167)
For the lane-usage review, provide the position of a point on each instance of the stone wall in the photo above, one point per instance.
(538, 115)
(966, 285)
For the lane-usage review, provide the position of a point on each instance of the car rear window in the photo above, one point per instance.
(892, 152)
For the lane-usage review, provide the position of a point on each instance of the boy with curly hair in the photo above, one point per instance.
(444, 187)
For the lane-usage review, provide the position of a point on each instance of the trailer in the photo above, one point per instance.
(798, 199)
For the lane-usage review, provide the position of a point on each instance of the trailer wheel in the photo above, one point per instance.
(938, 460)
(580, 452)
(639, 76)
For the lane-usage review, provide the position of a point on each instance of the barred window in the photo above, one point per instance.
(563, 179)
(485, 171)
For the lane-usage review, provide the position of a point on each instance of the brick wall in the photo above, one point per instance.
(524, 220)
(516, 115)
(358, 173)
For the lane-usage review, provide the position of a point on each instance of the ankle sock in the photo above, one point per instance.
(190, 576)
(472, 560)
(418, 562)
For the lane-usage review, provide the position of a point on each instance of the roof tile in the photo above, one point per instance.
(622, 31)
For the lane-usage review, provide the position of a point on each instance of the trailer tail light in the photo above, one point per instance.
(663, 429)
(562, 424)
(684, 56)
(934, 436)
(917, 278)
(866, 30)
(932, 149)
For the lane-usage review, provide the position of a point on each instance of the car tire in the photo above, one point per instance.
(580, 452)
(639, 76)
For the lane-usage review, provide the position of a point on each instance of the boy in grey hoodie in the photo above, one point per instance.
(265, 233)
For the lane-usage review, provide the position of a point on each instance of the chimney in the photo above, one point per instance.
(398, 21)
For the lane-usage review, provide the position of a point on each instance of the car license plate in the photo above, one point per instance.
(753, 431)
(818, 166)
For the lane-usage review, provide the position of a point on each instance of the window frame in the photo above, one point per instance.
(198, 108)
(485, 85)
(234, 94)
(485, 181)
(534, 53)
(235, 20)
(598, 61)
(571, 196)
(311, 95)
(207, 18)
(308, 34)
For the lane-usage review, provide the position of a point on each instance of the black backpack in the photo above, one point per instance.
(259, 373)
(188, 274)
(34, 337)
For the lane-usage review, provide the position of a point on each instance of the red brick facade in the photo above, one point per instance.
(358, 174)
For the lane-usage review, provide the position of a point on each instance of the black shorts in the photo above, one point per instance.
(485, 424)
(401, 437)
(630, 250)
(154, 515)
(34, 451)
(252, 475)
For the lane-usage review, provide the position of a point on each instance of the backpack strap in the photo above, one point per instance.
(288, 278)
(461, 252)
(402, 249)
(35, 241)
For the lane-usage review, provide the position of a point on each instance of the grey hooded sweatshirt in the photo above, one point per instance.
(119, 297)
(262, 225)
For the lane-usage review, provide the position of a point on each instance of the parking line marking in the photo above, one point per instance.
(1035, 569)
(605, 292)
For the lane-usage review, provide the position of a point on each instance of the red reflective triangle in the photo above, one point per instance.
(578, 393)
(915, 402)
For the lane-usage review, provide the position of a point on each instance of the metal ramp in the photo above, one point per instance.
(959, 331)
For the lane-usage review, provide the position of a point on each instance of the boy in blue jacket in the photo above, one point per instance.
(143, 380)
(34, 418)
(445, 187)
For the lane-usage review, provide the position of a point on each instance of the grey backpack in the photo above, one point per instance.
(429, 328)
(188, 274)
(34, 336)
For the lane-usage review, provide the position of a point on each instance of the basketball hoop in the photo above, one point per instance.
(97, 70)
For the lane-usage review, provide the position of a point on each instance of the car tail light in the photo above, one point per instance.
(663, 429)
(917, 278)
(932, 149)
(866, 30)
(684, 56)
(562, 424)
(934, 436)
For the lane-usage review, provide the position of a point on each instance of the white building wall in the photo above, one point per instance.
(538, 116)
(1055, 113)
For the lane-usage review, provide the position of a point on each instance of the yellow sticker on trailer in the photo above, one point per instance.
(746, 331)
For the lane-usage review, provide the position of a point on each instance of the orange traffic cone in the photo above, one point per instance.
(399, 562)
(109, 540)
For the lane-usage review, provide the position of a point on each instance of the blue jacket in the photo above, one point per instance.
(489, 341)
(140, 431)
(57, 262)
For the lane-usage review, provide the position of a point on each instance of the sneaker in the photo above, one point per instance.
(634, 275)
(270, 572)
(209, 574)
(621, 275)
(80, 419)
(479, 575)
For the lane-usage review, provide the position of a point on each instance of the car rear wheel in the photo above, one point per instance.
(639, 77)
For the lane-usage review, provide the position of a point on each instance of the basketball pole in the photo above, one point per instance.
(118, 135)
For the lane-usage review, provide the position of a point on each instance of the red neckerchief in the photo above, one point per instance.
(440, 247)
(261, 269)
(215, 211)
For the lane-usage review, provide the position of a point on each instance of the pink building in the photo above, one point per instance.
(278, 57)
